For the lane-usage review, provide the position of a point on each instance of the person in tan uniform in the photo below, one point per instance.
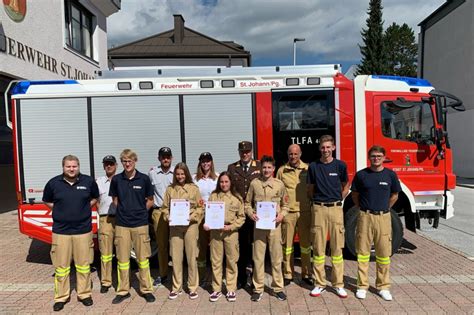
(267, 188)
(227, 239)
(374, 190)
(293, 174)
(184, 238)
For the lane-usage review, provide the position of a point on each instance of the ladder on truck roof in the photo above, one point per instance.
(199, 72)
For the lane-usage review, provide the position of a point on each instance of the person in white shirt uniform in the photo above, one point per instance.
(106, 210)
(206, 179)
(161, 177)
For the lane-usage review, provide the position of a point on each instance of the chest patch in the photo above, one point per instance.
(383, 183)
(81, 187)
(137, 187)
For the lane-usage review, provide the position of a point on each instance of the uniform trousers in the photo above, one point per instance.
(65, 249)
(377, 229)
(245, 249)
(328, 220)
(184, 239)
(273, 239)
(139, 238)
(224, 243)
(301, 222)
(161, 228)
(106, 247)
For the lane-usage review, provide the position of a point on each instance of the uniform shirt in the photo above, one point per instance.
(234, 209)
(106, 206)
(160, 181)
(241, 179)
(206, 186)
(189, 192)
(272, 190)
(295, 179)
(327, 179)
(72, 212)
(131, 194)
(375, 188)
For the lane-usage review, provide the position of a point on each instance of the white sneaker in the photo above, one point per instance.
(341, 292)
(361, 294)
(385, 294)
(317, 291)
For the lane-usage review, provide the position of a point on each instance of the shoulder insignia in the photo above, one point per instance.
(201, 202)
(286, 198)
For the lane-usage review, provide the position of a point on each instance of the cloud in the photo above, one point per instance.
(267, 27)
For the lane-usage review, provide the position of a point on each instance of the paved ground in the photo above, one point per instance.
(427, 278)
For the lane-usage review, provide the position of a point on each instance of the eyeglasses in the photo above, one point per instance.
(376, 156)
(127, 162)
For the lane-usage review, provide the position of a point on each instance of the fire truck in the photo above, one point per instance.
(211, 109)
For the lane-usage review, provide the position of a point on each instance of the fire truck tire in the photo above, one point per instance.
(350, 224)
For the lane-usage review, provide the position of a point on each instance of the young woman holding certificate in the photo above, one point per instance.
(182, 207)
(226, 202)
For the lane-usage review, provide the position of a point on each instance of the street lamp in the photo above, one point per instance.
(294, 48)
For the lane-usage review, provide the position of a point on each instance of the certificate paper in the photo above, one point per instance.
(266, 213)
(215, 214)
(179, 212)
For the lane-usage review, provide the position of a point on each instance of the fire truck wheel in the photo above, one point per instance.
(350, 223)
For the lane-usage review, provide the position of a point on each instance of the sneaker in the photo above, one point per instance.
(87, 301)
(286, 282)
(308, 281)
(361, 294)
(215, 296)
(341, 292)
(280, 296)
(317, 291)
(256, 297)
(119, 298)
(149, 298)
(193, 295)
(104, 289)
(385, 294)
(231, 296)
(174, 295)
(159, 281)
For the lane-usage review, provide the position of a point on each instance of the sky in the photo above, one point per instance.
(266, 28)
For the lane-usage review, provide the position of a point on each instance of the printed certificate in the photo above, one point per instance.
(215, 214)
(266, 213)
(179, 212)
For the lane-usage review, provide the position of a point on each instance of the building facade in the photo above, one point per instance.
(446, 59)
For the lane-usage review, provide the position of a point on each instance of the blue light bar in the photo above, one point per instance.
(22, 87)
(407, 80)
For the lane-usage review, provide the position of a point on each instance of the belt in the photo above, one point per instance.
(107, 215)
(328, 204)
(156, 208)
(379, 212)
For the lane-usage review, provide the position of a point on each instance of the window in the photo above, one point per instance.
(305, 111)
(78, 28)
(412, 124)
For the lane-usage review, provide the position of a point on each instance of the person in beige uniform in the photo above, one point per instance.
(293, 174)
(267, 188)
(227, 239)
(184, 237)
(106, 210)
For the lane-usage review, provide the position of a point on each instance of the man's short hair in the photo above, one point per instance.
(376, 148)
(70, 157)
(128, 154)
(267, 159)
(326, 138)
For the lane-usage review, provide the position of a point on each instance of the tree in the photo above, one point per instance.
(401, 50)
(373, 50)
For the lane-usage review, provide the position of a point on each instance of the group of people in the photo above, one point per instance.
(307, 198)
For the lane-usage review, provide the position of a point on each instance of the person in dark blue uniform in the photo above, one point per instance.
(132, 194)
(328, 186)
(375, 190)
(71, 196)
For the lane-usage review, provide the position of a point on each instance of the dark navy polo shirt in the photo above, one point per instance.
(132, 194)
(375, 188)
(327, 179)
(72, 212)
